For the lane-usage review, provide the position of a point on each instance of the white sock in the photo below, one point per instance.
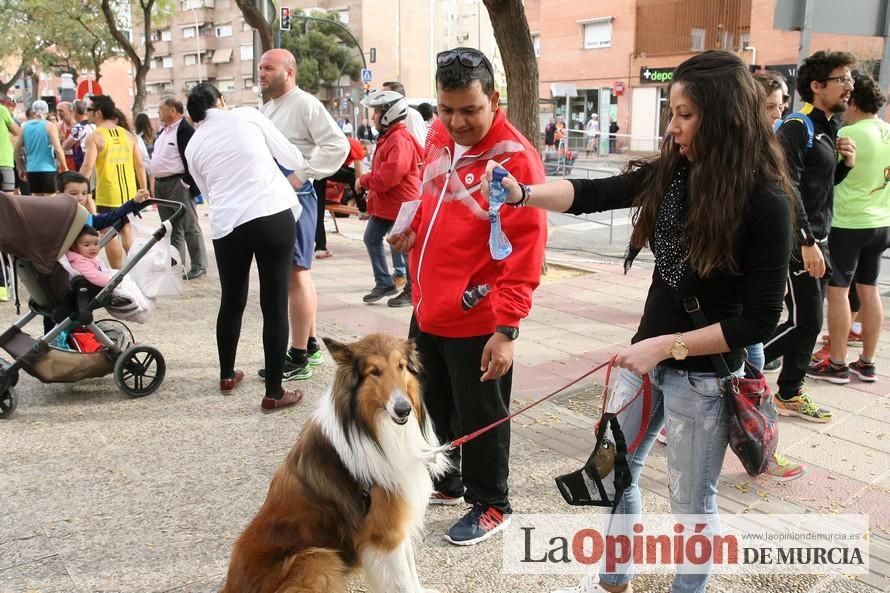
(856, 328)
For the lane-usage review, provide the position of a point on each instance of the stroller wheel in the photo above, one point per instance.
(139, 370)
(8, 403)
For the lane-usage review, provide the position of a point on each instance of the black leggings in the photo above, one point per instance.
(271, 240)
(345, 175)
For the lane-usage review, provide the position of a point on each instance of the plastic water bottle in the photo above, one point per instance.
(473, 295)
(498, 243)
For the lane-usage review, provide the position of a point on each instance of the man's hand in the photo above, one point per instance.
(358, 185)
(295, 182)
(813, 260)
(846, 148)
(497, 357)
(642, 357)
(141, 196)
(403, 242)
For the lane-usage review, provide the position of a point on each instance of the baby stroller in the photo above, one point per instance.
(36, 232)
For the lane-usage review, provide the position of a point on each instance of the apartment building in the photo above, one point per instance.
(204, 40)
(616, 58)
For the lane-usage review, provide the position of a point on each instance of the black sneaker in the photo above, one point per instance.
(479, 524)
(378, 293)
(773, 366)
(825, 370)
(403, 300)
(864, 370)
(292, 372)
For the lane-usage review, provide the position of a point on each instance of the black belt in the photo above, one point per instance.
(177, 176)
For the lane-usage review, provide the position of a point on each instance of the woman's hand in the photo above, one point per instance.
(813, 260)
(642, 357)
(514, 192)
(141, 196)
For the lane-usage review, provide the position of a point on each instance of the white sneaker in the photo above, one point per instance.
(590, 584)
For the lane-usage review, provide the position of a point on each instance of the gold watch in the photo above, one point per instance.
(679, 351)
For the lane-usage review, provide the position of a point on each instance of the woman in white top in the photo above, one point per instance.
(232, 158)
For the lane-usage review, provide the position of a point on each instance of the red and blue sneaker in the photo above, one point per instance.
(479, 524)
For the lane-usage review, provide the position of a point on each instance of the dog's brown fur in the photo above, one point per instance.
(321, 515)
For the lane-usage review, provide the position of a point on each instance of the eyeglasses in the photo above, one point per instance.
(842, 79)
(468, 58)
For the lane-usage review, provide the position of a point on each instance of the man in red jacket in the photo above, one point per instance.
(394, 178)
(467, 352)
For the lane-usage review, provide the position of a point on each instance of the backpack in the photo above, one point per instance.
(805, 119)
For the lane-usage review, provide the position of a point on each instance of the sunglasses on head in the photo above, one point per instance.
(468, 58)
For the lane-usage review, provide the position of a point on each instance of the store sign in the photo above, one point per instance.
(656, 75)
(619, 88)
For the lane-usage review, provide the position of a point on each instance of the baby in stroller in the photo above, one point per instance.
(127, 301)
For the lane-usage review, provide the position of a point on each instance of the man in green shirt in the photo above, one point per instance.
(860, 233)
(9, 130)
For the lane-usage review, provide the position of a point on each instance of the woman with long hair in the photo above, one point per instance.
(714, 208)
(232, 158)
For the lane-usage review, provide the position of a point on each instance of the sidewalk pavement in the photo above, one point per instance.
(102, 493)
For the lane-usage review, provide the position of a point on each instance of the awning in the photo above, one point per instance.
(563, 90)
(222, 56)
(596, 21)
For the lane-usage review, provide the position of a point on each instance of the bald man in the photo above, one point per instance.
(308, 125)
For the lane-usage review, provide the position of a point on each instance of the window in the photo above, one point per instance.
(697, 39)
(168, 62)
(344, 15)
(192, 59)
(726, 39)
(248, 84)
(190, 84)
(161, 35)
(536, 43)
(188, 32)
(190, 4)
(246, 52)
(597, 32)
(744, 40)
(224, 30)
(226, 86)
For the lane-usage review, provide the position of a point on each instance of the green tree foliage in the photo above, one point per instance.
(323, 50)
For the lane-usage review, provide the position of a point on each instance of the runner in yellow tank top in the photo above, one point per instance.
(115, 169)
(112, 153)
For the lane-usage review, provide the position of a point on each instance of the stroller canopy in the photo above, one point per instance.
(39, 229)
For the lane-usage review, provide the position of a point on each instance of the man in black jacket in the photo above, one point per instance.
(812, 148)
(171, 181)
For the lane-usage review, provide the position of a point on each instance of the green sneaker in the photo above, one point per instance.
(782, 469)
(315, 359)
(4, 295)
(802, 406)
(292, 372)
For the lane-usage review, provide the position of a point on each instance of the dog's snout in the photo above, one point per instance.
(402, 408)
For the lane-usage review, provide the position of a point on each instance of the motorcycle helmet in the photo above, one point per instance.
(392, 105)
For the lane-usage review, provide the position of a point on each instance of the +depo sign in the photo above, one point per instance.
(656, 75)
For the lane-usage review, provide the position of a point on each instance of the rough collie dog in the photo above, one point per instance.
(353, 489)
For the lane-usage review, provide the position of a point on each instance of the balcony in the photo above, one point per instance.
(683, 26)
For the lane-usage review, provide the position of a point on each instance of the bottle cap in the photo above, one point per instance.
(499, 173)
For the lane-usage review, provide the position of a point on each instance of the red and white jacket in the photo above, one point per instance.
(395, 174)
(451, 252)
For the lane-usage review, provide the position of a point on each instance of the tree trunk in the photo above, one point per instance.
(140, 64)
(5, 86)
(253, 16)
(518, 54)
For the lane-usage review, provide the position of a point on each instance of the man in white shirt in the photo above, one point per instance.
(171, 181)
(308, 125)
(414, 121)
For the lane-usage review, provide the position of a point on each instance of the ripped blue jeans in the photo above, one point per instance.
(697, 418)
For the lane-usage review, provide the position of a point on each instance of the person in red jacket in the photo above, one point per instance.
(394, 178)
(466, 345)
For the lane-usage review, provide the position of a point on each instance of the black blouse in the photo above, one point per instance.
(747, 304)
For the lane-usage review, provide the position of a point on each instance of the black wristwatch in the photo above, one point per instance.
(510, 332)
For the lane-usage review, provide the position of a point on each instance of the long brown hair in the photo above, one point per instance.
(733, 149)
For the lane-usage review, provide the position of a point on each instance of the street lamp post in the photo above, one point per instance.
(197, 44)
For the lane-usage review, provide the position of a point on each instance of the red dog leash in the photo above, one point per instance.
(645, 390)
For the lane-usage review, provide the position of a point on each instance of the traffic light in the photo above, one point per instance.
(285, 19)
(373, 55)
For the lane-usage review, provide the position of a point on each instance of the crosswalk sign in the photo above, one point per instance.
(366, 75)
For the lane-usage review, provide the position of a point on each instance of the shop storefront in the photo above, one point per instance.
(650, 108)
(575, 106)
